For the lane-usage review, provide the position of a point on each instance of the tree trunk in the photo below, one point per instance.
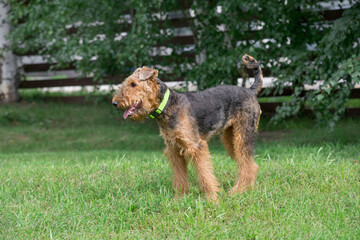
(8, 62)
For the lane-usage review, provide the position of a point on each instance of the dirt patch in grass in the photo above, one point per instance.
(14, 139)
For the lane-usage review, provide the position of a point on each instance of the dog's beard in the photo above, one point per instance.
(140, 115)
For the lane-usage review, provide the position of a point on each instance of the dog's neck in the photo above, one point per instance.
(163, 96)
(163, 117)
(162, 88)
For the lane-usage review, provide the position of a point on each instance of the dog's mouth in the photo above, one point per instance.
(133, 109)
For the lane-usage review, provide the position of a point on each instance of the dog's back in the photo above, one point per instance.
(213, 108)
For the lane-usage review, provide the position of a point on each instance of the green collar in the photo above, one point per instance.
(160, 109)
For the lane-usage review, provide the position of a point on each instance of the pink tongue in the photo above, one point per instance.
(126, 113)
(130, 111)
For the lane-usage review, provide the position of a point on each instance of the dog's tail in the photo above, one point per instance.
(251, 63)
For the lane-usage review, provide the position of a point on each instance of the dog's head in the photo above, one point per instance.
(139, 94)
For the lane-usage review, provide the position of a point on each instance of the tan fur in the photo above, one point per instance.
(227, 141)
(179, 166)
(247, 168)
(146, 89)
(187, 144)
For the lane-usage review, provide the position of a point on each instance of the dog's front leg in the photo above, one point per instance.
(179, 166)
(200, 156)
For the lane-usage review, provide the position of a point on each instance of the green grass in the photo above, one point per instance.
(27, 78)
(351, 103)
(31, 95)
(81, 172)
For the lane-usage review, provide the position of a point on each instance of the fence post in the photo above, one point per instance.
(9, 75)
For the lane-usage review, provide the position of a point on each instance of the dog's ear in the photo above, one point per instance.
(147, 73)
(135, 74)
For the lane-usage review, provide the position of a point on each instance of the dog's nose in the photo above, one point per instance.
(115, 103)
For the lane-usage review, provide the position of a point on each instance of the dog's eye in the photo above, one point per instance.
(133, 84)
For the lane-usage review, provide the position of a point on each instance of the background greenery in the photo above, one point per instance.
(294, 42)
(82, 172)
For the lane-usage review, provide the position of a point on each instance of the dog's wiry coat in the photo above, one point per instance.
(189, 120)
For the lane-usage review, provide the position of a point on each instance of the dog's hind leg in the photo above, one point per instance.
(244, 137)
(228, 142)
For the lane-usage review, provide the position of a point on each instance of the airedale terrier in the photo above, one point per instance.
(188, 120)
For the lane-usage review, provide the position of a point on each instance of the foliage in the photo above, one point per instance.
(295, 42)
(335, 61)
(90, 32)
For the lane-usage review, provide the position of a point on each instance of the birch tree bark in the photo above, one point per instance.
(8, 61)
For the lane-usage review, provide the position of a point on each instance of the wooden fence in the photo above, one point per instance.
(33, 68)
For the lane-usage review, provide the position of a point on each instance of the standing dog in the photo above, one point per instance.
(188, 120)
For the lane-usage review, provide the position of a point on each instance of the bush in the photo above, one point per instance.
(295, 42)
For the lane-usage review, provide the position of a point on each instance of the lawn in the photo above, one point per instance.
(82, 172)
